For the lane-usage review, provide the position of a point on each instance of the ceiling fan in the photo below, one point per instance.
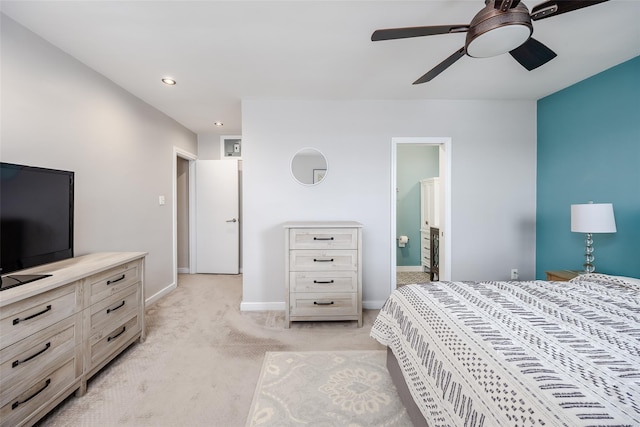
(501, 26)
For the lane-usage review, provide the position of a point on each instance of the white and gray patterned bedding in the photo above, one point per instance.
(519, 353)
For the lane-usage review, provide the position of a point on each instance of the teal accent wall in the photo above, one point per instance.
(415, 162)
(589, 150)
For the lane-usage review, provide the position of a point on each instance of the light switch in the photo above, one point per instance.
(161, 200)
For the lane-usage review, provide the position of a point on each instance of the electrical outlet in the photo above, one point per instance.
(514, 274)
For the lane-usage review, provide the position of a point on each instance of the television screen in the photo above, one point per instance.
(36, 216)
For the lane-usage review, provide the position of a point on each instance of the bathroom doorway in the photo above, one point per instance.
(417, 158)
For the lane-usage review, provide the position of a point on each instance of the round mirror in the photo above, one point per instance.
(309, 166)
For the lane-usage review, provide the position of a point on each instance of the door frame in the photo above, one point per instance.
(445, 198)
(183, 154)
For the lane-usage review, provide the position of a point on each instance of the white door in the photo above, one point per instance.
(217, 226)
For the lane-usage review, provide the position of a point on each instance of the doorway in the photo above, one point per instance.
(444, 163)
(184, 213)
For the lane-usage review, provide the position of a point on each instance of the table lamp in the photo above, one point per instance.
(592, 218)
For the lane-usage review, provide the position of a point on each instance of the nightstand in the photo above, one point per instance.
(561, 275)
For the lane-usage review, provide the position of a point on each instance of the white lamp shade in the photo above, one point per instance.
(593, 218)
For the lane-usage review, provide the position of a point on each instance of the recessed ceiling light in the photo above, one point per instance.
(168, 81)
(218, 124)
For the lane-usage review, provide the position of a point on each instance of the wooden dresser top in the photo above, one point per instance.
(64, 272)
(322, 224)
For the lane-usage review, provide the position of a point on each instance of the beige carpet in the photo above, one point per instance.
(326, 388)
(201, 361)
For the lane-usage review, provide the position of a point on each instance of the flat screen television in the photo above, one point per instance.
(36, 219)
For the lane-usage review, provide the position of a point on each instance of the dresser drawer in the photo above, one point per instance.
(39, 352)
(101, 285)
(327, 260)
(321, 281)
(112, 311)
(29, 316)
(425, 240)
(104, 343)
(323, 238)
(323, 304)
(18, 403)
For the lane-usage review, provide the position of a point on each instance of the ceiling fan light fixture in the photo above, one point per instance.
(498, 40)
(501, 26)
(493, 32)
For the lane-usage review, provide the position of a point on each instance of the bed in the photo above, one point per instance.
(531, 353)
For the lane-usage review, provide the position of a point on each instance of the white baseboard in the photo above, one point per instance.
(401, 268)
(280, 306)
(372, 305)
(262, 306)
(159, 295)
(183, 270)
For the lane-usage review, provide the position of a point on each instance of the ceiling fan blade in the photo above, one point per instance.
(404, 33)
(441, 67)
(556, 7)
(532, 54)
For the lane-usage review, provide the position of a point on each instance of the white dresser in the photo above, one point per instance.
(57, 332)
(323, 271)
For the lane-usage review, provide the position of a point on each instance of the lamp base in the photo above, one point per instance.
(588, 255)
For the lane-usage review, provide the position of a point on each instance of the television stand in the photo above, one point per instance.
(62, 330)
(12, 281)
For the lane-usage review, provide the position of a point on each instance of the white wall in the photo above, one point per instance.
(493, 184)
(209, 147)
(58, 113)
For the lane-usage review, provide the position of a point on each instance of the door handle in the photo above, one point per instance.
(232, 220)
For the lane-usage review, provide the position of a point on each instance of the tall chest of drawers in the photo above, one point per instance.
(323, 271)
(57, 332)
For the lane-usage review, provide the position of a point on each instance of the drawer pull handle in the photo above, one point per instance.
(323, 303)
(18, 403)
(124, 328)
(18, 320)
(18, 362)
(322, 260)
(323, 281)
(109, 282)
(323, 238)
(109, 310)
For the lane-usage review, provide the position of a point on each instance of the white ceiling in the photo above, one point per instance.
(221, 52)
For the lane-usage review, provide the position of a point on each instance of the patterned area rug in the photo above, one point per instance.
(410, 277)
(326, 388)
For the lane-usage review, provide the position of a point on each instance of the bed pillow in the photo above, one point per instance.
(630, 282)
